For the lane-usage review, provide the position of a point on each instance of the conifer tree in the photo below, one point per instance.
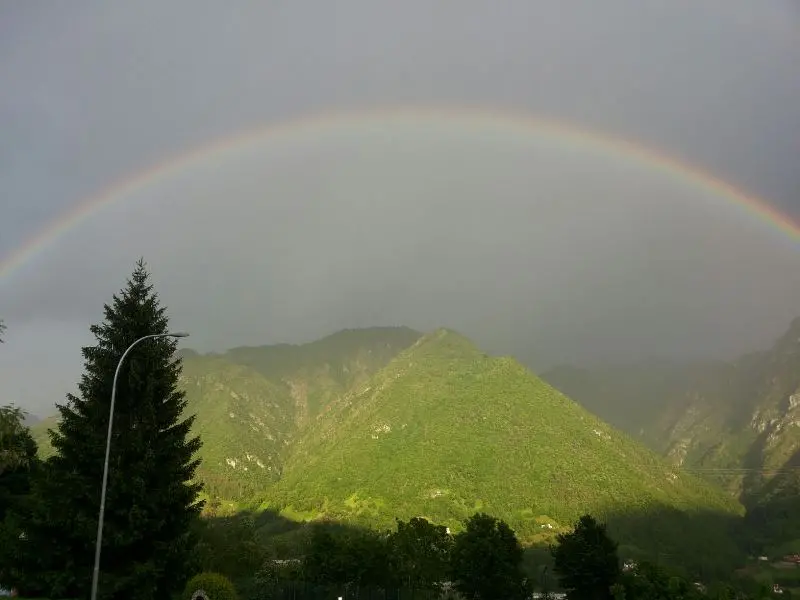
(486, 561)
(152, 498)
(586, 561)
(17, 464)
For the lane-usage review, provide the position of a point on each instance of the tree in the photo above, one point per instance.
(421, 551)
(152, 498)
(586, 561)
(486, 561)
(17, 448)
(2, 330)
(17, 463)
(652, 582)
(358, 558)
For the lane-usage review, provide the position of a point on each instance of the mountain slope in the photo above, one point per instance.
(444, 430)
(244, 420)
(40, 435)
(317, 372)
(631, 397)
(250, 402)
(737, 423)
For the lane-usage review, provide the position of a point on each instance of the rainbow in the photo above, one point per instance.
(479, 120)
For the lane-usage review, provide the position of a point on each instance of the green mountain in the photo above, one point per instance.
(250, 402)
(736, 423)
(636, 397)
(40, 435)
(316, 373)
(368, 425)
(444, 430)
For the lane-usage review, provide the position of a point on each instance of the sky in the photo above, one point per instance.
(550, 250)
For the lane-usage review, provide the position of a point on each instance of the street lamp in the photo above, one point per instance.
(96, 572)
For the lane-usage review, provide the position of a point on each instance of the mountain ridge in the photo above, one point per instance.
(386, 434)
(738, 421)
(408, 424)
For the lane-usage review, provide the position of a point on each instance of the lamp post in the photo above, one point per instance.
(96, 573)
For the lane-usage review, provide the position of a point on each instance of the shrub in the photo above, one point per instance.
(215, 586)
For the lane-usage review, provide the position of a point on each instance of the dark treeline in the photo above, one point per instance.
(422, 560)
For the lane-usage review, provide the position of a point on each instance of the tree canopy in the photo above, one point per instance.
(151, 502)
(586, 561)
(18, 462)
(486, 560)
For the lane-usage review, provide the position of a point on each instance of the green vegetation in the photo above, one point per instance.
(425, 437)
(152, 502)
(251, 402)
(210, 586)
(420, 433)
(586, 561)
(316, 373)
(17, 447)
(421, 550)
(18, 463)
(733, 423)
(486, 561)
(483, 560)
(365, 427)
(642, 398)
(40, 433)
(245, 422)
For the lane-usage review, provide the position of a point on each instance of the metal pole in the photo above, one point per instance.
(98, 542)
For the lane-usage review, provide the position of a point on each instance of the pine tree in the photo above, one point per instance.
(152, 498)
(18, 462)
(486, 561)
(586, 561)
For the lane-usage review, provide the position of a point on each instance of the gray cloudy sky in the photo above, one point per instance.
(551, 251)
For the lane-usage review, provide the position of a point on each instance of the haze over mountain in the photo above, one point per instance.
(735, 423)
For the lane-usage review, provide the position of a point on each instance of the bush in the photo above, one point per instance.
(215, 586)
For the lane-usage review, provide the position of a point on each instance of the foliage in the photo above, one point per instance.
(17, 448)
(586, 561)
(631, 397)
(417, 432)
(215, 586)
(251, 402)
(422, 437)
(318, 372)
(151, 501)
(245, 422)
(733, 422)
(360, 558)
(486, 560)
(650, 582)
(40, 431)
(421, 552)
(229, 545)
(18, 463)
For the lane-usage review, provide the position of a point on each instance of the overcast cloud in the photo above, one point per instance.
(549, 251)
